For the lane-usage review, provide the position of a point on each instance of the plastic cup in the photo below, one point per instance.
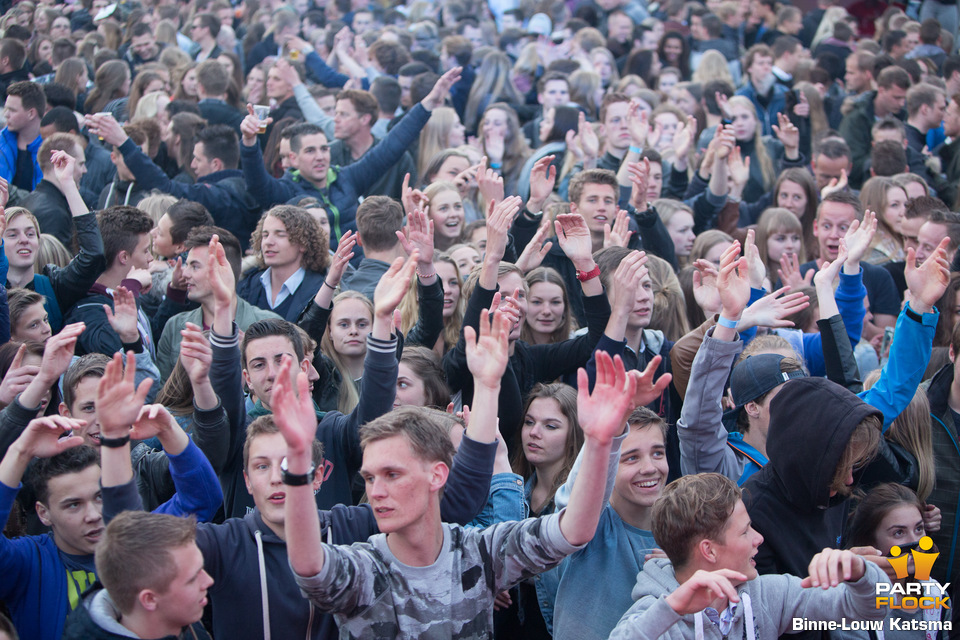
(294, 55)
(261, 112)
(102, 113)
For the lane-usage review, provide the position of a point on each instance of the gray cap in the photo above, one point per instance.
(757, 375)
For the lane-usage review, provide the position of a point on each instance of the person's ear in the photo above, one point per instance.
(305, 364)
(246, 377)
(873, 174)
(246, 481)
(43, 513)
(359, 240)
(438, 476)
(707, 550)
(753, 409)
(318, 477)
(217, 164)
(64, 410)
(148, 599)
(953, 356)
(123, 257)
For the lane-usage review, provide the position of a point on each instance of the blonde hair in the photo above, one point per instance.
(763, 158)
(435, 136)
(911, 430)
(51, 251)
(157, 204)
(706, 241)
(349, 394)
(148, 107)
(584, 85)
(410, 307)
(713, 66)
(668, 312)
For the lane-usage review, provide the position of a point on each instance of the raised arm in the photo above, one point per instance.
(417, 236)
(266, 189)
(602, 415)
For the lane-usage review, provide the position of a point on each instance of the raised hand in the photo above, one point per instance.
(638, 125)
(412, 199)
(626, 280)
(44, 437)
(859, 236)
(494, 145)
(639, 173)
(619, 234)
(802, 108)
(58, 351)
(758, 271)
(789, 272)
(196, 355)
(341, 258)
(587, 138)
(682, 140)
(508, 306)
(733, 283)
(575, 240)
(105, 126)
(220, 273)
(4, 192)
(543, 178)
(393, 285)
(701, 589)
(500, 216)
(490, 183)
(830, 567)
(705, 290)
(250, 126)
(17, 378)
(466, 180)
(738, 167)
(293, 410)
(835, 185)
(488, 354)
(287, 72)
(788, 134)
(604, 411)
(64, 166)
(418, 236)
(648, 389)
(828, 272)
(773, 309)
(436, 96)
(928, 281)
(118, 400)
(154, 420)
(123, 316)
(536, 250)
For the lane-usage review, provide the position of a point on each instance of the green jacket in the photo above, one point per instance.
(168, 349)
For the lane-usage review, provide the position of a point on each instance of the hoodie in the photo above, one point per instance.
(811, 422)
(768, 602)
(99, 619)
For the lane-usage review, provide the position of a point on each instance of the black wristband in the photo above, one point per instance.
(114, 443)
(913, 315)
(296, 479)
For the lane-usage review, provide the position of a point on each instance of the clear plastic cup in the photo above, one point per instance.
(261, 112)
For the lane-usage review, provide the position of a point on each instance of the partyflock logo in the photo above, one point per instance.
(919, 593)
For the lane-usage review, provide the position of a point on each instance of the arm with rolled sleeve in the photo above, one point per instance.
(703, 438)
(227, 381)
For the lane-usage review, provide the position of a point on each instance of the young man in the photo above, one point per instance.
(354, 117)
(312, 147)
(398, 581)
(220, 185)
(61, 287)
(616, 131)
(889, 99)
(175, 225)
(125, 188)
(836, 213)
(48, 203)
(157, 594)
(20, 139)
(708, 586)
(584, 609)
(100, 170)
(379, 218)
(13, 53)
(199, 278)
(767, 95)
(126, 241)
(204, 31)
(144, 47)
(553, 90)
(212, 85)
(292, 257)
(926, 108)
(858, 78)
(939, 225)
(786, 54)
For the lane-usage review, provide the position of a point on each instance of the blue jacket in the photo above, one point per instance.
(34, 586)
(766, 114)
(345, 185)
(8, 156)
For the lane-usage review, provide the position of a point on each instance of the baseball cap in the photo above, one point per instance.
(540, 25)
(757, 375)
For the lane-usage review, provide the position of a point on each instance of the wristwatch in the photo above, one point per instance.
(583, 276)
(296, 480)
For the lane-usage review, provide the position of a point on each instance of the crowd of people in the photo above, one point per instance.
(579, 319)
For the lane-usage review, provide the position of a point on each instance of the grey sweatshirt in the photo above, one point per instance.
(775, 601)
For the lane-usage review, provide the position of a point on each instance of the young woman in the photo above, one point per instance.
(180, 137)
(779, 233)
(345, 343)
(146, 82)
(446, 211)
(442, 131)
(549, 319)
(646, 64)
(586, 90)
(467, 256)
(678, 219)
(503, 143)
(889, 516)
(185, 80)
(447, 165)
(254, 91)
(28, 317)
(420, 380)
(111, 82)
(888, 200)
(709, 246)
(453, 303)
(72, 73)
(605, 65)
(492, 85)
(674, 52)
(767, 154)
(40, 55)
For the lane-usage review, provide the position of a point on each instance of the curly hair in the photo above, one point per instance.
(303, 231)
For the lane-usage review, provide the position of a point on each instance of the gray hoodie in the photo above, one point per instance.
(774, 601)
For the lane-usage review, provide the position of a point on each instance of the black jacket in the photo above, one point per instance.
(49, 206)
(219, 112)
(811, 422)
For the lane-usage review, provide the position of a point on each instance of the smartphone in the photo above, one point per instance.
(885, 345)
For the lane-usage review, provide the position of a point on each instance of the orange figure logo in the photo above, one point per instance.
(922, 562)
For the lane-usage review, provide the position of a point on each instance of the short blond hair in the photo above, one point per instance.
(693, 508)
(428, 435)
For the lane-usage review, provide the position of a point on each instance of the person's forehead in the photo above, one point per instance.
(268, 347)
(86, 389)
(618, 108)
(83, 485)
(837, 212)
(313, 140)
(198, 254)
(931, 229)
(392, 452)
(555, 85)
(643, 437)
(597, 189)
(345, 105)
(273, 222)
